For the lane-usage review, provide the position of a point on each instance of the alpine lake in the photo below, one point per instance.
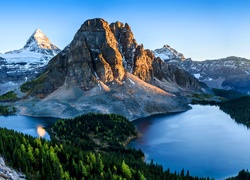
(203, 140)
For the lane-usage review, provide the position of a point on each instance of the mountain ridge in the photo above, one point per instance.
(108, 72)
(230, 73)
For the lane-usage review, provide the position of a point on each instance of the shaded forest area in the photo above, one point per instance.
(238, 109)
(242, 175)
(7, 110)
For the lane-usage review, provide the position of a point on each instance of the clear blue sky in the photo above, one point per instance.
(200, 29)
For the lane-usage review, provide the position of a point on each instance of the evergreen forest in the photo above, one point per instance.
(90, 146)
(238, 109)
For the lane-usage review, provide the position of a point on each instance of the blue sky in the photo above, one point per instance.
(200, 29)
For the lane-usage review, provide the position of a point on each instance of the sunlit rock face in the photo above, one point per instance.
(126, 43)
(92, 55)
(41, 131)
(99, 52)
(143, 64)
(104, 70)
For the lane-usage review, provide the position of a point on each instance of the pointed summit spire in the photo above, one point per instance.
(38, 33)
(39, 42)
(38, 30)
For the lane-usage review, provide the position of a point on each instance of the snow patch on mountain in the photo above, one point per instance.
(37, 50)
(197, 75)
(168, 53)
(17, 65)
(25, 60)
(225, 73)
(40, 43)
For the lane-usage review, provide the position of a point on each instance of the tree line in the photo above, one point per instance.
(7, 110)
(238, 109)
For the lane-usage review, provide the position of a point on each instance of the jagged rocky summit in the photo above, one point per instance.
(104, 70)
(168, 53)
(26, 63)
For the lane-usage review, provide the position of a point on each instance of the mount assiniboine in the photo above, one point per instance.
(104, 70)
(24, 64)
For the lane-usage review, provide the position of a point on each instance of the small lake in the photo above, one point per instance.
(204, 140)
(33, 126)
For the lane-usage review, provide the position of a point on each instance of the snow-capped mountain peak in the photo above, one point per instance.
(38, 48)
(168, 53)
(40, 43)
(20, 65)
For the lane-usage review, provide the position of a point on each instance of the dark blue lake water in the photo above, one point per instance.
(29, 125)
(204, 140)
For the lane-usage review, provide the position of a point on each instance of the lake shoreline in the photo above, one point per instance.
(170, 138)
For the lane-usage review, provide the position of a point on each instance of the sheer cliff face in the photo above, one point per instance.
(99, 51)
(143, 64)
(127, 43)
(103, 52)
(136, 60)
(93, 55)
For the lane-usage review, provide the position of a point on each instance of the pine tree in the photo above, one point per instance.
(126, 171)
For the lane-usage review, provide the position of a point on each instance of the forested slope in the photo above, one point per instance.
(238, 109)
(68, 156)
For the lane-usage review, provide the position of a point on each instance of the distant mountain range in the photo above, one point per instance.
(231, 73)
(18, 66)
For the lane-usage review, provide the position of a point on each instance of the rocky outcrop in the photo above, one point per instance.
(143, 64)
(127, 43)
(165, 74)
(104, 70)
(92, 55)
(8, 173)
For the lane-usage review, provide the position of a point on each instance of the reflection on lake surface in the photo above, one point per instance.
(41, 131)
(28, 125)
(204, 140)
